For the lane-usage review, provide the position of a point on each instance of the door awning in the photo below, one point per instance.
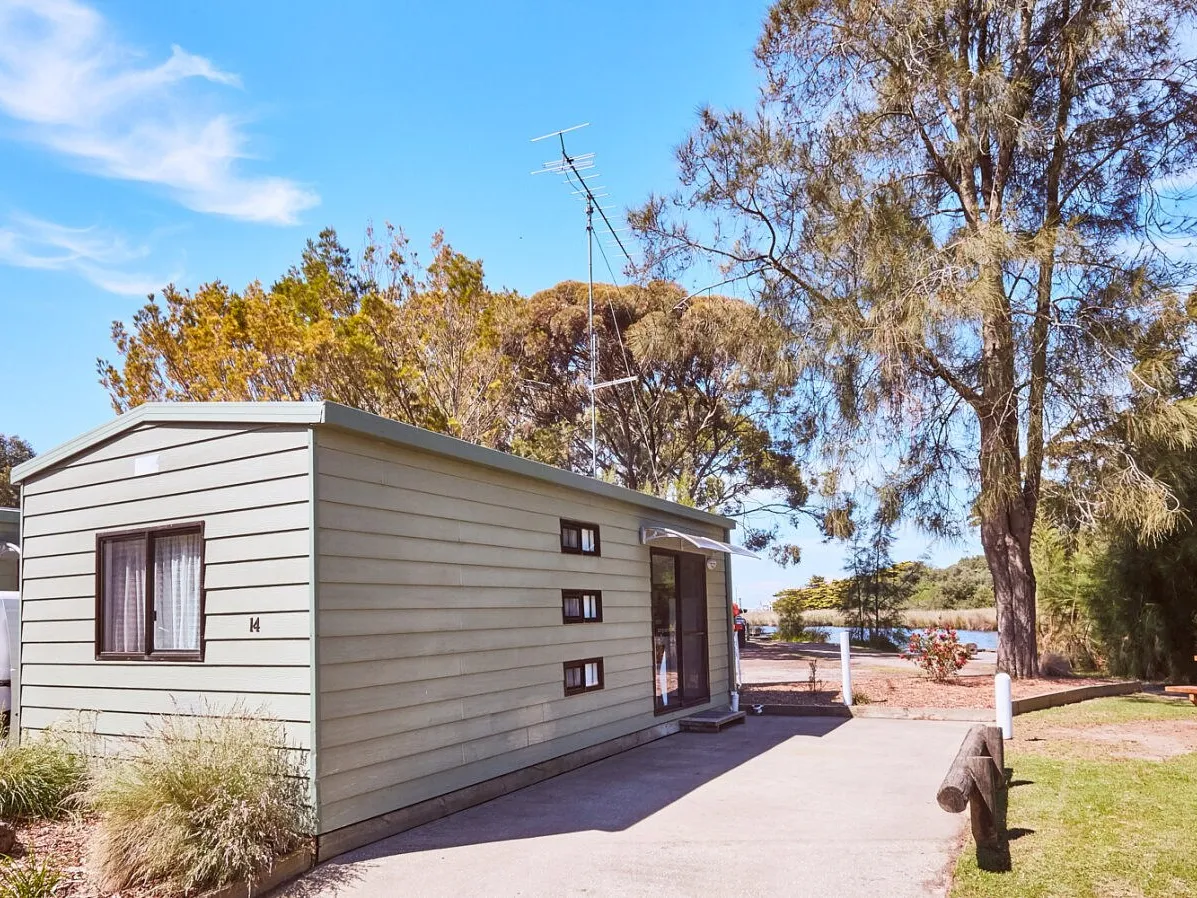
(649, 535)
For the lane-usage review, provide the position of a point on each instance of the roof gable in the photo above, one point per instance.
(332, 414)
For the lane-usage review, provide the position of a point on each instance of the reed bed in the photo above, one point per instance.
(915, 618)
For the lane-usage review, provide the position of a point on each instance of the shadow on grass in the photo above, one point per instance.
(995, 857)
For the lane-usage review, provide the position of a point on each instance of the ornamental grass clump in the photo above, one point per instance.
(938, 651)
(41, 777)
(203, 801)
(29, 877)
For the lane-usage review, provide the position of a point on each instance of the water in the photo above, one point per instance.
(986, 640)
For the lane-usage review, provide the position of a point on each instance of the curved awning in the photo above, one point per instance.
(655, 534)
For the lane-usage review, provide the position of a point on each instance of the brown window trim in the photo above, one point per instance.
(567, 524)
(681, 704)
(149, 534)
(578, 690)
(579, 594)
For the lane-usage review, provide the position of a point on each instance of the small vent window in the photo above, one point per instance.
(579, 606)
(583, 676)
(580, 539)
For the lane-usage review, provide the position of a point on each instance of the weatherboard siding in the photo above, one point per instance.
(440, 634)
(250, 485)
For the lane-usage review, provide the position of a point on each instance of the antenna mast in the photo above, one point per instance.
(572, 167)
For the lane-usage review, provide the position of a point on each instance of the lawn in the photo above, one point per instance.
(1103, 804)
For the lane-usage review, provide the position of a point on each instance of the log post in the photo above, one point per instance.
(983, 802)
(996, 748)
(975, 780)
(957, 784)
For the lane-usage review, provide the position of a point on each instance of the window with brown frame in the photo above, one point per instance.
(582, 606)
(583, 676)
(580, 539)
(150, 595)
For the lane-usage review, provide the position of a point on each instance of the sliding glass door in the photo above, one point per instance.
(679, 612)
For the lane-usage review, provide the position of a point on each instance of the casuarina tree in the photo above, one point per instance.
(966, 212)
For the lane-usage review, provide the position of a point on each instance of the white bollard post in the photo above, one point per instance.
(1001, 701)
(846, 668)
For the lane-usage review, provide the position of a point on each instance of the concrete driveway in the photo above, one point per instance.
(778, 806)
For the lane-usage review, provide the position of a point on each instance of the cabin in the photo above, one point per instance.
(433, 622)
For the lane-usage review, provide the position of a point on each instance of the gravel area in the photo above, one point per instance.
(905, 691)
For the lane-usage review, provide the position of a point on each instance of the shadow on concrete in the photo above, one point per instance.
(322, 880)
(610, 795)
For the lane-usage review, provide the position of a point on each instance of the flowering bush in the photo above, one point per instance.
(938, 652)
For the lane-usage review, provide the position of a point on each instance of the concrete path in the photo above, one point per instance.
(778, 806)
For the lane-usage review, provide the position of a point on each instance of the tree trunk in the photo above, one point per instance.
(1006, 516)
(1006, 526)
(1006, 538)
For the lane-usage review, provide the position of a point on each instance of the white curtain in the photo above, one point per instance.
(124, 595)
(177, 592)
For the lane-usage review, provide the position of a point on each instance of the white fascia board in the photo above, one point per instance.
(174, 413)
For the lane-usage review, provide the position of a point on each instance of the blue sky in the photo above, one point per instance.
(145, 144)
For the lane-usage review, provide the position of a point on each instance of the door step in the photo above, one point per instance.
(711, 721)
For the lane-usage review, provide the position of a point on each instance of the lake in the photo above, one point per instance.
(986, 640)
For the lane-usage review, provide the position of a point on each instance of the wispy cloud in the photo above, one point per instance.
(100, 256)
(81, 92)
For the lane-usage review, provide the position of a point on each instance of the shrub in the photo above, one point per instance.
(201, 802)
(937, 651)
(31, 878)
(40, 777)
(789, 618)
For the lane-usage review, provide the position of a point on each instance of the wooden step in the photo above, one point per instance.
(711, 721)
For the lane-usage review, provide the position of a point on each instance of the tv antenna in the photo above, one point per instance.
(572, 168)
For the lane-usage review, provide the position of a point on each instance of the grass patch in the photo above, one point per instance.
(1102, 711)
(203, 801)
(40, 778)
(29, 878)
(1094, 828)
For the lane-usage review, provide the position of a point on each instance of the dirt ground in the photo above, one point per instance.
(781, 674)
(906, 691)
(65, 843)
(1134, 740)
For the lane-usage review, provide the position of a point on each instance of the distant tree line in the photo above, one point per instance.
(965, 584)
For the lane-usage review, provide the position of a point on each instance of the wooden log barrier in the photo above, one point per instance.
(975, 780)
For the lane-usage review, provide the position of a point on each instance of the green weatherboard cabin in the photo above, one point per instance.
(435, 622)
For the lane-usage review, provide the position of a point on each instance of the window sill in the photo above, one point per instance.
(193, 657)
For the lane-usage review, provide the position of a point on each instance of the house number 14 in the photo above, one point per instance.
(255, 625)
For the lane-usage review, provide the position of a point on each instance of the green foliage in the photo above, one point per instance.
(40, 778)
(13, 451)
(29, 877)
(202, 801)
(818, 594)
(1068, 573)
(789, 618)
(438, 348)
(878, 588)
(965, 584)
